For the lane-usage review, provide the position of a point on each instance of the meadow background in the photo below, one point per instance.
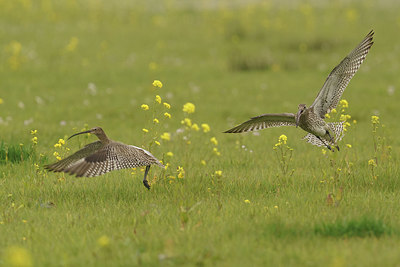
(224, 199)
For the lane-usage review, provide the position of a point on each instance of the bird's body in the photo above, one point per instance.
(103, 156)
(311, 119)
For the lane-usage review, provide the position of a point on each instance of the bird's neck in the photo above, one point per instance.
(103, 138)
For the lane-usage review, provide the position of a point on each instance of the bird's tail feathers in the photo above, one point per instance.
(336, 130)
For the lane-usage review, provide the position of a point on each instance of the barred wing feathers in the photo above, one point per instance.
(337, 81)
(265, 121)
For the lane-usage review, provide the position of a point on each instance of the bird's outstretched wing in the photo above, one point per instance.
(265, 121)
(114, 156)
(87, 150)
(333, 88)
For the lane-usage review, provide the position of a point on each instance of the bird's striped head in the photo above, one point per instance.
(302, 108)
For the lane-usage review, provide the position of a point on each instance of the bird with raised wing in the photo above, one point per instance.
(103, 156)
(311, 119)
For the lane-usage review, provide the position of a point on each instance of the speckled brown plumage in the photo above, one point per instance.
(103, 156)
(312, 119)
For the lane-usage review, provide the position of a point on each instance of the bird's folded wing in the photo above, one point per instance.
(337, 81)
(265, 121)
(87, 150)
(114, 156)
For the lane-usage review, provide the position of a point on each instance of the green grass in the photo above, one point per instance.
(67, 65)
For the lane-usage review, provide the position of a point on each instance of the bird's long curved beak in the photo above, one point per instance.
(88, 131)
(298, 118)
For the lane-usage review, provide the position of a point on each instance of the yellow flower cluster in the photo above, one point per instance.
(375, 120)
(247, 201)
(155, 120)
(344, 103)
(57, 155)
(145, 107)
(158, 99)
(181, 172)
(205, 127)
(372, 163)
(214, 141)
(60, 143)
(195, 127)
(282, 140)
(187, 122)
(166, 105)
(157, 83)
(189, 108)
(218, 173)
(166, 136)
(167, 115)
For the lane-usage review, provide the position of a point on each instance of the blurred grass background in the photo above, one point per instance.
(64, 64)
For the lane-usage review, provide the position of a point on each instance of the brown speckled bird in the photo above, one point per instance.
(103, 156)
(312, 119)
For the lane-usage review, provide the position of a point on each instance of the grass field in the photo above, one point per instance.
(231, 200)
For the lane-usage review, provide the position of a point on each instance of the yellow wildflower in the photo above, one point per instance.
(167, 115)
(189, 108)
(157, 83)
(144, 107)
(168, 106)
(348, 145)
(145, 130)
(375, 119)
(169, 154)
(34, 140)
(283, 139)
(276, 207)
(344, 103)
(214, 141)
(327, 116)
(216, 152)
(157, 143)
(1, 101)
(58, 158)
(372, 163)
(354, 121)
(247, 201)
(57, 145)
(205, 127)
(56, 154)
(33, 132)
(158, 99)
(203, 162)
(181, 175)
(24, 221)
(195, 127)
(323, 152)
(187, 122)
(166, 136)
(155, 120)
(61, 141)
(333, 111)
(218, 173)
(103, 241)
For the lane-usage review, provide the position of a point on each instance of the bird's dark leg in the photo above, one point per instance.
(324, 142)
(332, 140)
(145, 182)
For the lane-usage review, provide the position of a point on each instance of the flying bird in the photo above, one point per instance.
(103, 156)
(311, 119)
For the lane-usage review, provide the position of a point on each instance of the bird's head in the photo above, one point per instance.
(302, 108)
(96, 130)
